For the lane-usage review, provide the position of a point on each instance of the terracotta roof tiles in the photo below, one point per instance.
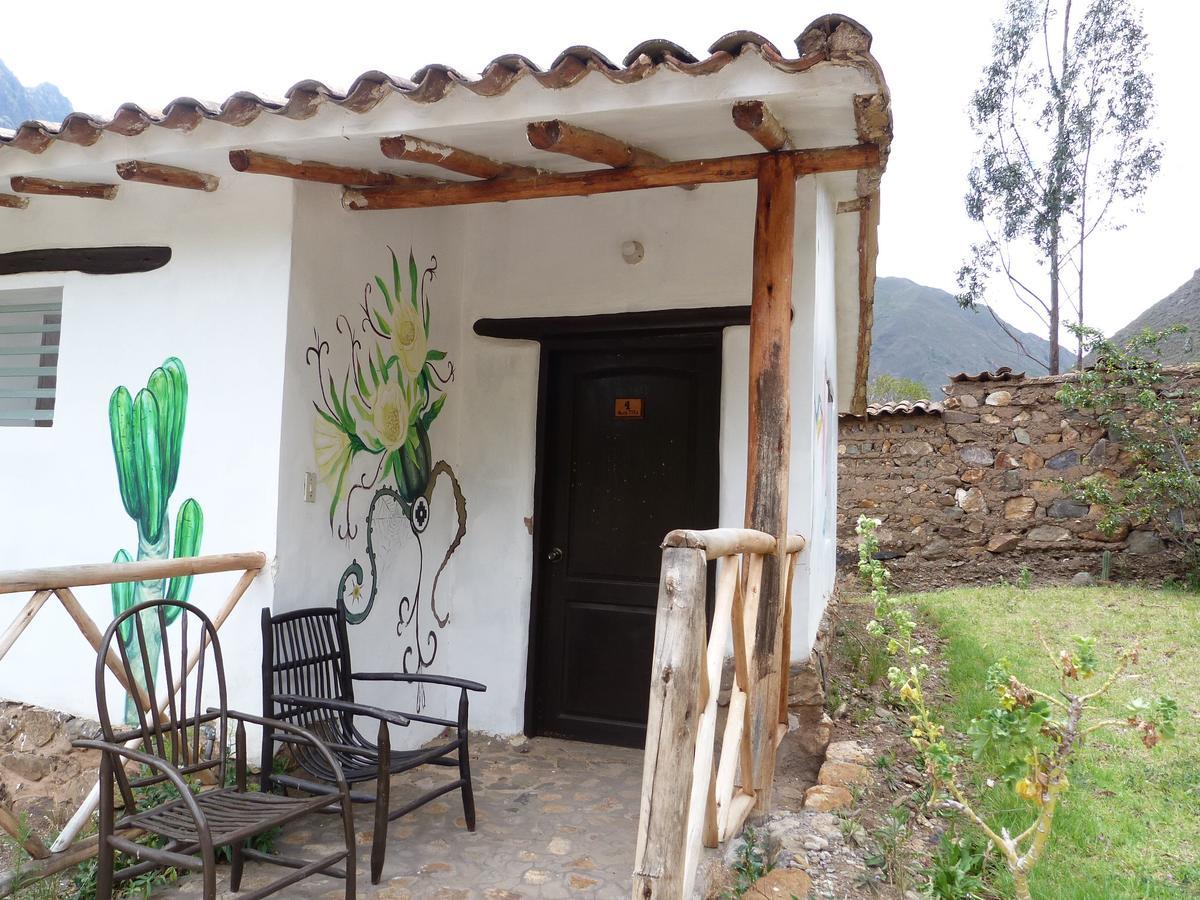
(830, 38)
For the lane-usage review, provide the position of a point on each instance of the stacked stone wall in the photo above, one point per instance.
(982, 491)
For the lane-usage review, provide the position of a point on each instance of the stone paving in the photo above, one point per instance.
(555, 819)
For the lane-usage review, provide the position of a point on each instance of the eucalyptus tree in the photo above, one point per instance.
(1063, 115)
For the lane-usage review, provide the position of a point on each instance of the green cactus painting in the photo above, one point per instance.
(147, 439)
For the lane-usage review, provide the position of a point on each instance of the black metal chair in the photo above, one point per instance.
(170, 747)
(308, 679)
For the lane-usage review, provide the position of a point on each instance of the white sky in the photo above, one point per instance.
(101, 53)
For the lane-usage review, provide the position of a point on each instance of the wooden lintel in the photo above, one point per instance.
(12, 201)
(858, 204)
(453, 159)
(651, 321)
(757, 120)
(89, 260)
(556, 136)
(51, 188)
(633, 178)
(255, 163)
(167, 176)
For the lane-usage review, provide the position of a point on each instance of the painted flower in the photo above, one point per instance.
(331, 448)
(391, 416)
(409, 341)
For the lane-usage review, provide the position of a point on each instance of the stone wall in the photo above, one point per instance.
(977, 488)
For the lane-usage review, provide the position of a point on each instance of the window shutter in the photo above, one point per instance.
(30, 321)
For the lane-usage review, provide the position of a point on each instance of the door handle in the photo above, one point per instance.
(555, 554)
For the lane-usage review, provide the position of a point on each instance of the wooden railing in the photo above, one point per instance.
(58, 582)
(691, 798)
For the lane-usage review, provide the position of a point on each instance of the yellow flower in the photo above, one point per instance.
(331, 448)
(409, 341)
(391, 416)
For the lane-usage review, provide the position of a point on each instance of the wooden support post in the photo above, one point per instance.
(95, 638)
(770, 442)
(671, 728)
(24, 617)
(868, 249)
(11, 824)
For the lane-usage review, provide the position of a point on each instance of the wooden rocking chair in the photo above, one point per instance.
(168, 745)
(308, 679)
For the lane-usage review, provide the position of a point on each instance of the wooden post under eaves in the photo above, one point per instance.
(769, 446)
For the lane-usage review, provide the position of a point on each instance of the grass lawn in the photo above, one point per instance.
(1130, 824)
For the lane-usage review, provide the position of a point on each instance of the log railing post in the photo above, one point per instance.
(770, 441)
(671, 728)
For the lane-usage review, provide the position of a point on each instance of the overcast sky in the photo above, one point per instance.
(101, 53)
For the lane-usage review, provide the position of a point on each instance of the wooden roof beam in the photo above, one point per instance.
(167, 176)
(557, 136)
(255, 163)
(464, 162)
(50, 188)
(757, 120)
(604, 181)
(12, 201)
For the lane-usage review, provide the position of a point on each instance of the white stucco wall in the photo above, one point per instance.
(335, 255)
(554, 257)
(220, 306)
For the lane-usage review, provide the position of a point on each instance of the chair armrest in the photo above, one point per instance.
(172, 774)
(424, 679)
(358, 709)
(303, 733)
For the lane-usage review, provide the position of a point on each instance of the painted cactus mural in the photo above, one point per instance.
(376, 424)
(147, 439)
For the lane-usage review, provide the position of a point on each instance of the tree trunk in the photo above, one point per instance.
(1054, 347)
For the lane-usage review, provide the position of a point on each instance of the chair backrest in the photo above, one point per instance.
(171, 722)
(306, 653)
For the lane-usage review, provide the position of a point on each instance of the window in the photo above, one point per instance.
(29, 327)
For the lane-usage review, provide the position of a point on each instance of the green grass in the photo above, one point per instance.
(1130, 824)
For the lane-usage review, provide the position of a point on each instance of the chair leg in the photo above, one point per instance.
(105, 857)
(236, 865)
(464, 765)
(351, 846)
(382, 796)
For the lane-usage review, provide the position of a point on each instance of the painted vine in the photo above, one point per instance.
(392, 391)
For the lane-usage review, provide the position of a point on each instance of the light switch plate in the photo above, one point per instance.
(310, 487)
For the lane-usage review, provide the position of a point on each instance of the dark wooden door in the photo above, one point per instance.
(629, 452)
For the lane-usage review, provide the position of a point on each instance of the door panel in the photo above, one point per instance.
(630, 452)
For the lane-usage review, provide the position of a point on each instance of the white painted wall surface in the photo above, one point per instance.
(336, 254)
(219, 306)
(556, 257)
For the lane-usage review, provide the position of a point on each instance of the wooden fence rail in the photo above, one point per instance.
(691, 797)
(57, 582)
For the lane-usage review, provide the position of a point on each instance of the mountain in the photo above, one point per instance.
(920, 333)
(19, 103)
(1181, 306)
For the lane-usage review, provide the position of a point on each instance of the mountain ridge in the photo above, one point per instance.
(19, 103)
(1181, 306)
(922, 334)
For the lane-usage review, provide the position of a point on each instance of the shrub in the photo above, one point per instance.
(1155, 416)
(1028, 739)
